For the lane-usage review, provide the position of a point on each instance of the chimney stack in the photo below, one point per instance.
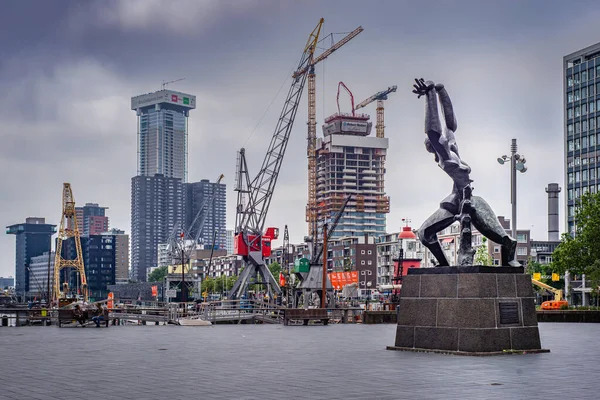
(553, 190)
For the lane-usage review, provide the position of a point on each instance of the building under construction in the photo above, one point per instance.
(350, 162)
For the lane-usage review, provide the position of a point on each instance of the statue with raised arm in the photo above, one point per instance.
(459, 204)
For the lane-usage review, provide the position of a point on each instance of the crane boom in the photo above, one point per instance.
(317, 254)
(201, 216)
(377, 96)
(263, 184)
(328, 52)
(380, 97)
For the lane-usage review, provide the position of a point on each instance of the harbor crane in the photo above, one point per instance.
(254, 196)
(311, 151)
(380, 97)
(68, 229)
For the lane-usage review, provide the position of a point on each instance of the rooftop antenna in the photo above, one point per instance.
(165, 83)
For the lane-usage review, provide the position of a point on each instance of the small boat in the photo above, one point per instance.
(193, 322)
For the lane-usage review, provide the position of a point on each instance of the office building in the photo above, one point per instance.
(156, 206)
(581, 81)
(350, 162)
(197, 195)
(121, 255)
(162, 129)
(38, 275)
(33, 238)
(91, 219)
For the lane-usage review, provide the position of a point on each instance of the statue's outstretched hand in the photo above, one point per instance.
(422, 87)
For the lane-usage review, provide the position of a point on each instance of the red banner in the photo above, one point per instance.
(154, 291)
(340, 279)
(110, 303)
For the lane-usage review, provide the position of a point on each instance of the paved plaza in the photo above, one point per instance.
(276, 362)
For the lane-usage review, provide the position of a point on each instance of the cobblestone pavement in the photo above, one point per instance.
(276, 362)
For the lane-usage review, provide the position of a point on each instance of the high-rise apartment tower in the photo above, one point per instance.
(350, 162)
(581, 82)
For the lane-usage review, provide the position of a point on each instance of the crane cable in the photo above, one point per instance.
(268, 108)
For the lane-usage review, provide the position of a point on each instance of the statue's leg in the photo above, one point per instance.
(486, 222)
(428, 233)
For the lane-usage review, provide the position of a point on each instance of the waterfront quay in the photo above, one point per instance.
(277, 362)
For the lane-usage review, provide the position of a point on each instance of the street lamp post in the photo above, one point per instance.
(368, 294)
(517, 163)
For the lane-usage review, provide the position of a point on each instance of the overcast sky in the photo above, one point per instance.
(69, 69)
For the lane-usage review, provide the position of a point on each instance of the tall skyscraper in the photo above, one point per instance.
(162, 132)
(349, 162)
(156, 206)
(157, 196)
(581, 77)
(196, 194)
(33, 239)
(91, 219)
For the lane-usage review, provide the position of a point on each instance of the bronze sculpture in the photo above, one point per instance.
(459, 205)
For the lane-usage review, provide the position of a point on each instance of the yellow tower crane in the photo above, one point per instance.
(68, 229)
(311, 151)
(380, 97)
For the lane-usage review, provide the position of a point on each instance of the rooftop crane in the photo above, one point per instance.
(311, 151)
(254, 197)
(380, 97)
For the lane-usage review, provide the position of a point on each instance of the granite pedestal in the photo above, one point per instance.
(470, 310)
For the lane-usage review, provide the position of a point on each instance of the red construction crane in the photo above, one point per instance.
(254, 196)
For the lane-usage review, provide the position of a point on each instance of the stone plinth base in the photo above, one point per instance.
(467, 310)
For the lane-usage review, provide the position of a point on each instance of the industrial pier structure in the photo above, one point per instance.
(350, 162)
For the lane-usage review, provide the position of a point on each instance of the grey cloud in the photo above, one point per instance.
(67, 79)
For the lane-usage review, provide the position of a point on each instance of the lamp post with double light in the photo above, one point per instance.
(517, 163)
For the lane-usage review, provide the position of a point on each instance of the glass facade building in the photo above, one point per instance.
(157, 195)
(214, 219)
(581, 83)
(33, 239)
(162, 132)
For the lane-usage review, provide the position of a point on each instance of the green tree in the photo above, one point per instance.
(158, 275)
(275, 269)
(580, 254)
(482, 255)
(208, 285)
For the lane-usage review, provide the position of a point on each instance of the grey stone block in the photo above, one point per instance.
(436, 338)
(405, 336)
(411, 286)
(477, 285)
(417, 312)
(506, 285)
(528, 312)
(438, 285)
(466, 313)
(524, 286)
(525, 338)
(483, 340)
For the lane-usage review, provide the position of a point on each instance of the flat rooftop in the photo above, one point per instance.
(164, 96)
